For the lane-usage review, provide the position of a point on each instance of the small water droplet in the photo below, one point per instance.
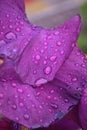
(37, 57)
(18, 29)
(17, 118)
(14, 106)
(52, 58)
(21, 104)
(20, 90)
(52, 91)
(14, 85)
(1, 95)
(47, 70)
(54, 105)
(10, 36)
(38, 93)
(56, 32)
(66, 100)
(40, 81)
(58, 43)
(74, 79)
(45, 43)
(2, 42)
(45, 62)
(62, 52)
(26, 116)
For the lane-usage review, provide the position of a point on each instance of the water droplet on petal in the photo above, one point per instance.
(2, 42)
(37, 57)
(40, 81)
(20, 90)
(14, 85)
(10, 36)
(1, 95)
(26, 116)
(14, 106)
(74, 79)
(21, 104)
(62, 52)
(58, 43)
(47, 70)
(17, 118)
(54, 105)
(66, 100)
(52, 58)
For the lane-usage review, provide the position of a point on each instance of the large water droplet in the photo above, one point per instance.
(47, 70)
(10, 36)
(40, 81)
(26, 116)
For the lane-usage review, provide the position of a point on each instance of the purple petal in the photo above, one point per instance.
(74, 73)
(15, 30)
(47, 51)
(83, 110)
(32, 107)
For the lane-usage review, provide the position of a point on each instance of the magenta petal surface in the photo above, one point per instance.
(15, 30)
(34, 107)
(74, 73)
(83, 110)
(47, 51)
(30, 106)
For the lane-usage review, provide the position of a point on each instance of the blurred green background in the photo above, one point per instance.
(51, 13)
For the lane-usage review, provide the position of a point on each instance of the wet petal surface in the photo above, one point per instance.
(74, 73)
(83, 110)
(46, 52)
(15, 29)
(30, 106)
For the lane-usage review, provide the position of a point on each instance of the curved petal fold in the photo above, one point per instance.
(74, 73)
(83, 110)
(30, 106)
(46, 52)
(15, 29)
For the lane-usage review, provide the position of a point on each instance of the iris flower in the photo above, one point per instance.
(43, 73)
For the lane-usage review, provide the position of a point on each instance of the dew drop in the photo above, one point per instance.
(14, 85)
(74, 79)
(17, 118)
(40, 81)
(58, 43)
(54, 105)
(62, 52)
(56, 32)
(47, 70)
(37, 57)
(52, 91)
(52, 58)
(20, 90)
(66, 100)
(2, 42)
(26, 116)
(1, 95)
(14, 106)
(10, 36)
(21, 104)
